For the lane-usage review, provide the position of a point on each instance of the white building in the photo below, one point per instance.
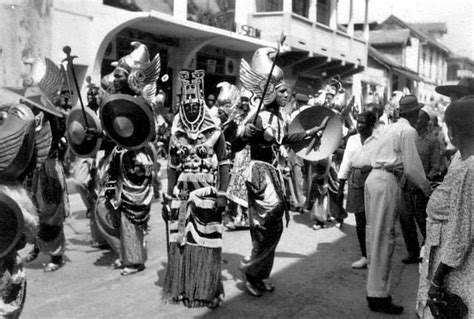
(208, 34)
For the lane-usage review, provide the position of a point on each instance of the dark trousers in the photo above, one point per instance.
(361, 223)
(413, 213)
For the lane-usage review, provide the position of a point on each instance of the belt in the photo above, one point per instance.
(395, 170)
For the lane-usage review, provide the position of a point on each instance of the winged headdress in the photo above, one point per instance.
(142, 73)
(254, 77)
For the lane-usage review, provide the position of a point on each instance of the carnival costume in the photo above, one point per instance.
(24, 145)
(266, 194)
(47, 182)
(126, 192)
(234, 106)
(195, 200)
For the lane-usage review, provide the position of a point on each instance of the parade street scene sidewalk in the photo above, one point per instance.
(312, 274)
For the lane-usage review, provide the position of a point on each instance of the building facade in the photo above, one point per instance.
(209, 34)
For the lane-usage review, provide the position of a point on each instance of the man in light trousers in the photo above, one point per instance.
(396, 156)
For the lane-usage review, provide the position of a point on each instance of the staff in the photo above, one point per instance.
(69, 59)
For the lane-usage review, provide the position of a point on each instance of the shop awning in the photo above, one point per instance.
(166, 25)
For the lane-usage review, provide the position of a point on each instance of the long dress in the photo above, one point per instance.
(450, 234)
(193, 272)
(123, 207)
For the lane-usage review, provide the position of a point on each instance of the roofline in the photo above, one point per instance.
(418, 33)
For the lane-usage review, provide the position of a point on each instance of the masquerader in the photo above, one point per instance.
(195, 200)
(126, 191)
(266, 200)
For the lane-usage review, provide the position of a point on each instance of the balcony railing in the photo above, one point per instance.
(306, 35)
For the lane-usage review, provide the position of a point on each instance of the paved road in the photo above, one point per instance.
(312, 274)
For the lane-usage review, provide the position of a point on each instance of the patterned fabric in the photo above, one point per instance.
(450, 234)
(12, 286)
(266, 208)
(237, 191)
(53, 206)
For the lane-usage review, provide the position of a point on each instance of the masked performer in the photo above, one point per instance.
(18, 220)
(233, 109)
(126, 191)
(266, 200)
(196, 201)
(48, 181)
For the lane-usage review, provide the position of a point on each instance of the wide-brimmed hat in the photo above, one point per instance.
(409, 103)
(127, 120)
(464, 87)
(84, 138)
(301, 98)
(11, 224)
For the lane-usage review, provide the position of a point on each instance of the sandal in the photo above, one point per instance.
(117, 264)
(52, 267)
(214, 303)
(132, 270)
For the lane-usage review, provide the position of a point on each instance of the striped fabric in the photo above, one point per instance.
(194, 220)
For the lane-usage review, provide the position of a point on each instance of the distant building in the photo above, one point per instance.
(419, 51)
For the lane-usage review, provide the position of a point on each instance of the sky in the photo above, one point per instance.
(457, 14)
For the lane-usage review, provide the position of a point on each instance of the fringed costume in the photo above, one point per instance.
(126, 187)
(18, 219)
(197, 153)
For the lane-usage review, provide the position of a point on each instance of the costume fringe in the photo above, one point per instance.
(193, 276)
(28, 208)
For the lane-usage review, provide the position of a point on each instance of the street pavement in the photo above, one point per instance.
(312, 275)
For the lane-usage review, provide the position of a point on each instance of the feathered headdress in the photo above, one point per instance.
(254, 77)
(142, 73)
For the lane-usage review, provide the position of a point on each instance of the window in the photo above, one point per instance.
(269, 5)
(301, 7)
(322, 11)
(219, 14)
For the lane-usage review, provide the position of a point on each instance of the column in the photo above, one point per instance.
(350, 23)
(180, 9)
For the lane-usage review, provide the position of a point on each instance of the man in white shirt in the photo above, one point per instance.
(355, 167)
(396, 155)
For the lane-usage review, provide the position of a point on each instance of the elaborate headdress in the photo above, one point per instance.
(254, 77)
(192, 93)
(141, 72)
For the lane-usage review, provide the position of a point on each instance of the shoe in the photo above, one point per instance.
(50, 267)
(360, 264)
(265, 286)
(411, 260)
(127, 271)
(317, 227)
(339, 223)
(117, 264)
(32, 255)
(253, 290)
(384, 305)
(214, 303)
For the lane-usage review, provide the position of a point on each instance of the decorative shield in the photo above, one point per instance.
(127, 120)
(84, 140)
(17, 140)
(11, 224)
(317, 148)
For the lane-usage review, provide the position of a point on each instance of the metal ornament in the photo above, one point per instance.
(84, 141)
(127, 120)
(319, 147)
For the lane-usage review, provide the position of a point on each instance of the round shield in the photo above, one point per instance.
(127, 120)
(17, 140)
(84, 140)
(317, 148)
(11, 224)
